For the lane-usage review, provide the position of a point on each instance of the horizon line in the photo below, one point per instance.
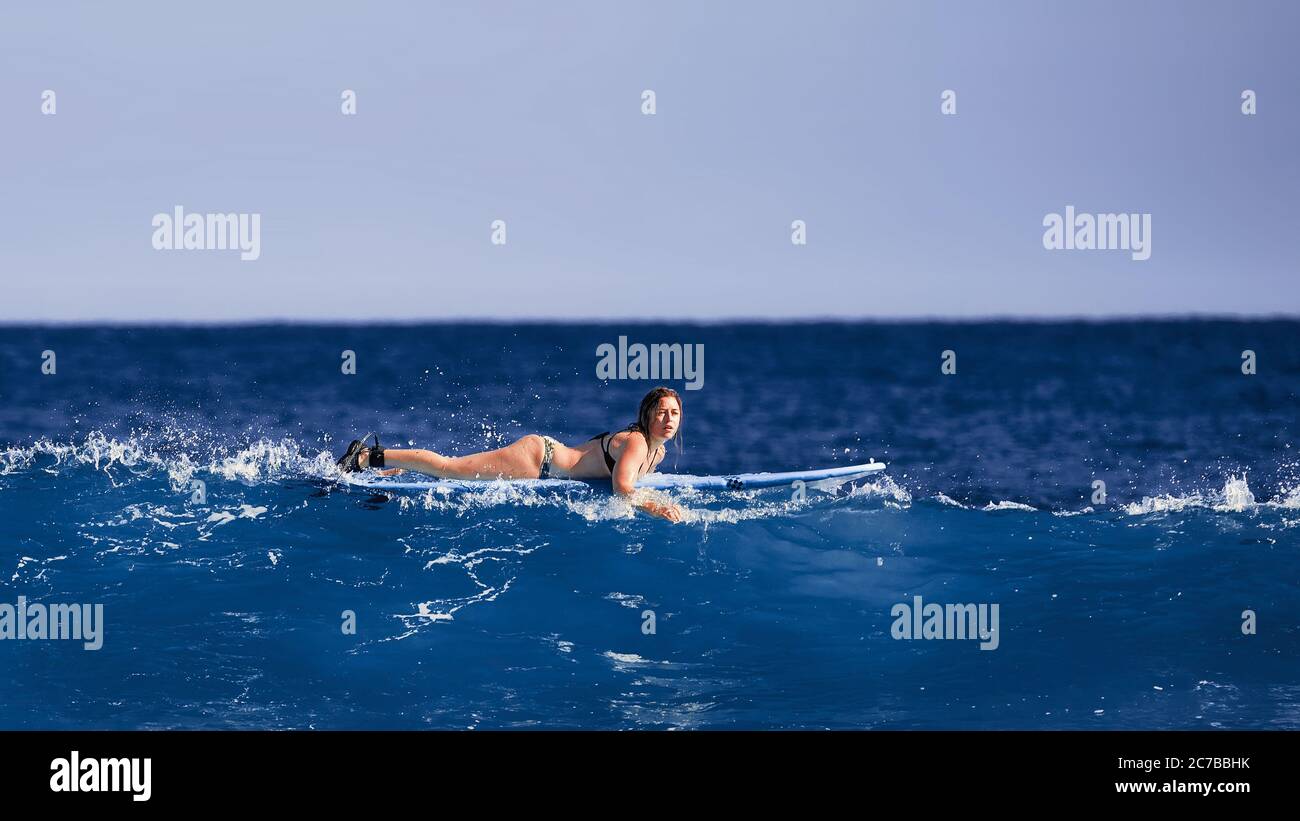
(900, 319)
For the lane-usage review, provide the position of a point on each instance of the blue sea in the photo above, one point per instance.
(506, 607)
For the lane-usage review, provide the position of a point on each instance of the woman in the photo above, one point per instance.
(624, 456)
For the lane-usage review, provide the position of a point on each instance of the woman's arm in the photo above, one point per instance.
(626, 470)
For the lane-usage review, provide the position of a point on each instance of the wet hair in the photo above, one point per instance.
(648, 406)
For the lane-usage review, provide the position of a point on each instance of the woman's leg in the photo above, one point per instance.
(520, 460)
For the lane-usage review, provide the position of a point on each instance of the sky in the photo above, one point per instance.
(532, 114)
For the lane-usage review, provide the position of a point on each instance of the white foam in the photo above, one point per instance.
(1073, 512)
(626, 600)
(1004, 505)
(1235, 497)
(1288, 498)
(1163, 504)
(624, 658)
(97, 450)
(264, 460)
(634, 660)
(884, 487)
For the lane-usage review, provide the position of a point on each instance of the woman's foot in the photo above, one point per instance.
(360, 456)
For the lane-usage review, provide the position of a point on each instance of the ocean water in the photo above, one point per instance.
(508, 608)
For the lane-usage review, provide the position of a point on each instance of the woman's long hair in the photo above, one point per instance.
(648, 406)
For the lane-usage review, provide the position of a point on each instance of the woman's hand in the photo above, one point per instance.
(624, 478)
(672, 513)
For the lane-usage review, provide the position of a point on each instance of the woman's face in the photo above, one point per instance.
(666, 418)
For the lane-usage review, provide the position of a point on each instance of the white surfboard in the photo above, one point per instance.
(662, 481)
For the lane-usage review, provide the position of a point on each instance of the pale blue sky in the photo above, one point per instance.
(530, 112)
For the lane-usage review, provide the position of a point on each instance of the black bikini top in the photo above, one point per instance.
(604, 448)
(605, 438)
